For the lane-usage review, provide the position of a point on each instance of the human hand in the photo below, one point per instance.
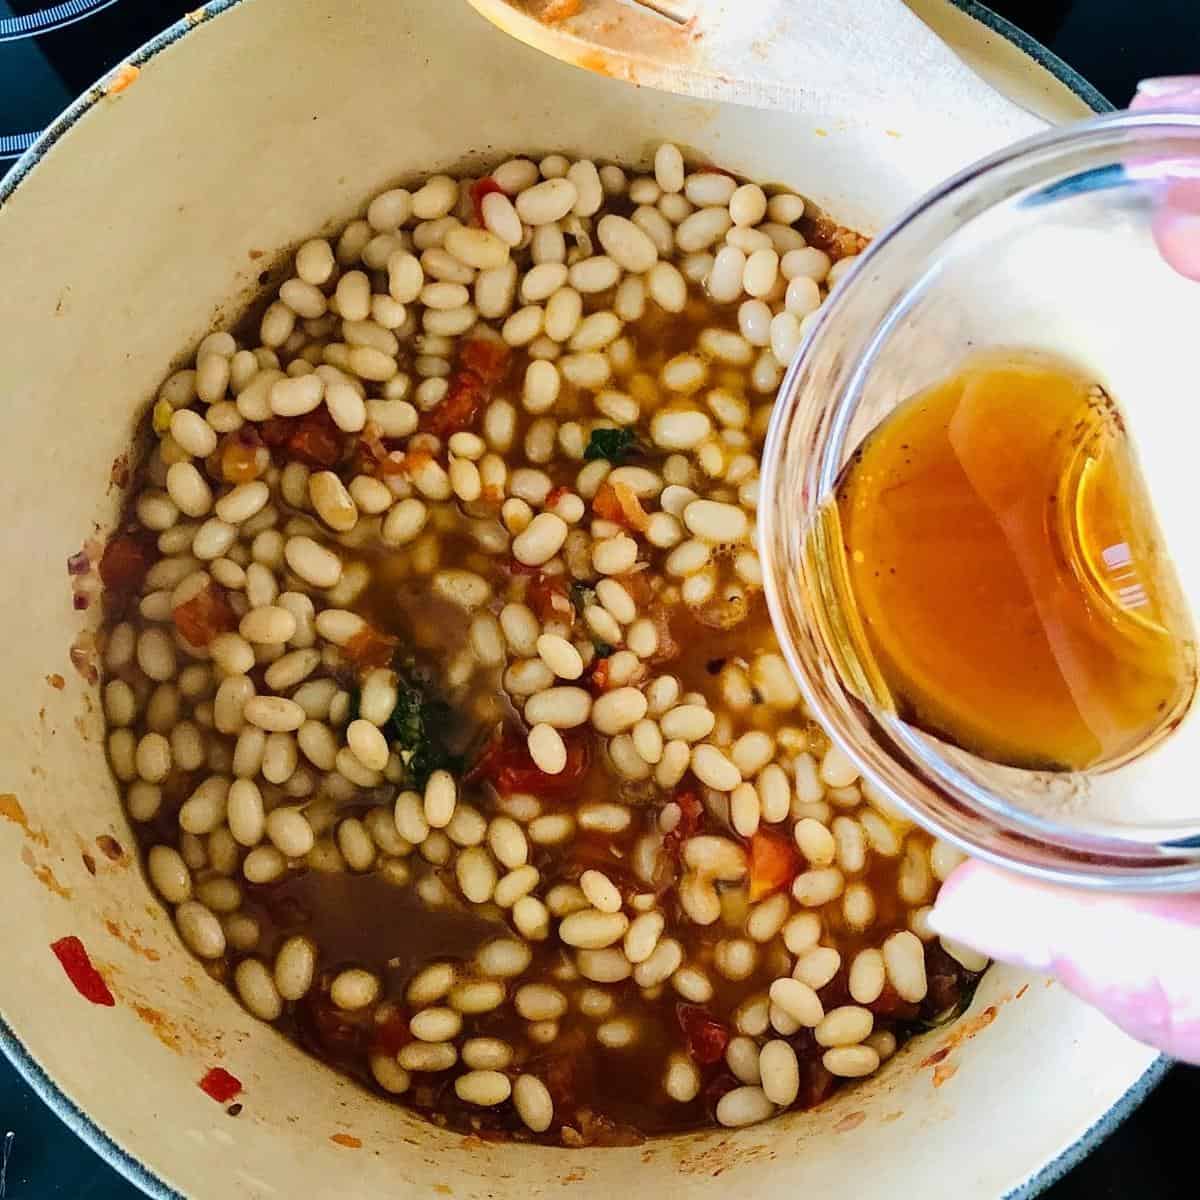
(1177, 223)
(1135, 958)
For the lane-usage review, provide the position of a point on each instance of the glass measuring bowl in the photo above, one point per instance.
(1047, 246)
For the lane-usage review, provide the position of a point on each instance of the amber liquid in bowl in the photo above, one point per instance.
(1002, 580)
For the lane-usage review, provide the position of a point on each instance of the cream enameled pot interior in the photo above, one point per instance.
(147, 223)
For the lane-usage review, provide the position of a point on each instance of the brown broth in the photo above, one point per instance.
(381, 922)
(1010, 581)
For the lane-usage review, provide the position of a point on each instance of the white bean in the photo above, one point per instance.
(592, 929)
(618, 710)
(851, 1062)
(547, 749)
(559, 655)
(780, 1072)
(533, 1102)
(743, 1106)
(714, 769)
(547, 201)
(798, 1000)
(315, 564)
(541, 540)
(559, 707)
(628, 245)
(668, 168)
(904, 958)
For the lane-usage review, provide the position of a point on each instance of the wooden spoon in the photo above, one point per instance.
(869, 62)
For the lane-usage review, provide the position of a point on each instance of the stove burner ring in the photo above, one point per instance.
(46, 20)
(14, 145)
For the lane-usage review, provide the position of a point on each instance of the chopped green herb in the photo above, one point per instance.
(407, 726)
(613, 444)
(418, 726)
(582, 596)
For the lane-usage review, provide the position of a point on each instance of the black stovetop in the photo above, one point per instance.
(50, 50)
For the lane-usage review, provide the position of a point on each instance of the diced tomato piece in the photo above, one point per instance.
(521, 774)
(318, 441)
(480, 188)
(124, 563)
(486, 358)
(313, 439)
(606, 505)
(635, 516)
(482, 364)
(219, 1085)
(370, 648)
(508, 765)
(554, 495)
(74, 959)
(774, 863)
(316, 448)
(548, 597)
(205, 615)
(276, 430)
(619, 503)
(691, 812)
(705, 1038)
(458, 408)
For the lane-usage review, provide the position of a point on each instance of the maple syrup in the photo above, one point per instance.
(1001, 578)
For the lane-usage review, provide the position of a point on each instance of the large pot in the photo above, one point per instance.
(141, 222)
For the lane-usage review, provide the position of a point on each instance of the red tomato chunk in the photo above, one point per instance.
(704, 1036)
(75, 961)
(205, 615)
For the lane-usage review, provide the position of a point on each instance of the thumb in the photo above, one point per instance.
(1177, 222)
(1178, 93)
(1135, 958)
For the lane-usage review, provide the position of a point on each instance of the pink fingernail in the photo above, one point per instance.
(1164, 86)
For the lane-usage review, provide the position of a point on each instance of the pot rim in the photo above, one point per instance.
(1042, 55)
(93, 1135)
(86, 1127)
